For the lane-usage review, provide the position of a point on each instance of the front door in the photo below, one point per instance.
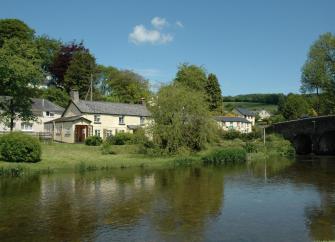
(81, 133)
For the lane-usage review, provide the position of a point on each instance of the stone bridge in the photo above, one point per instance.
(309, 135)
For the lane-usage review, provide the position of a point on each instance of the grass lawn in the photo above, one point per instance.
(72, 157)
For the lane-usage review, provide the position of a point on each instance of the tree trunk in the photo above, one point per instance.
(11, 124)
(317, 102)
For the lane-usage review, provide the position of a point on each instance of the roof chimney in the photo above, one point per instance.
(143, 101)
(74, 95)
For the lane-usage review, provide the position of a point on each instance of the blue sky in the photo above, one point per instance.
(252, 46)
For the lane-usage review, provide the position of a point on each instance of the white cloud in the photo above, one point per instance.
(179, 24)
(141, 35)
(159, 22)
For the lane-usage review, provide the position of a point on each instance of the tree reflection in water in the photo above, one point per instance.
(184, 204)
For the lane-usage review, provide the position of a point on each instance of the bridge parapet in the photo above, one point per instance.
(309, 135)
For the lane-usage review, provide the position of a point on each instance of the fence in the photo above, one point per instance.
(43, 136)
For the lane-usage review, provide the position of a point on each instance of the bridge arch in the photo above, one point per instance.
(302, 144)
(327, 143)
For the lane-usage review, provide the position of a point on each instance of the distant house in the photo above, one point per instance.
(86, 118)
(245, 113)
(234, 123)
(263, 114)
(43, 109)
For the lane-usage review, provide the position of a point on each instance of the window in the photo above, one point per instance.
(97, 119)
(49, 114)
(26, 126)
(97, 132)
(121, 120)
(142, 120)
(109, 133)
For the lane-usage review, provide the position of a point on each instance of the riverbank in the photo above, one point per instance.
(61, 157)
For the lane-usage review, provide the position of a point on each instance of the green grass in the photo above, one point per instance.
(71, 157)
(251, 106)
(57, 157)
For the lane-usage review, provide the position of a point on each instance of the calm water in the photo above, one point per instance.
(272, 201)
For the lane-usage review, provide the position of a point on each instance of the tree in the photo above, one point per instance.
(47, 48)
(181, 119)
(127, 86)
(294, 107)
(213, 91)
(191, 76)
(20, 72)
(104, 74)
(318, 73)
(14, 28)
(80, 73)
(56, 95)
(62, 61)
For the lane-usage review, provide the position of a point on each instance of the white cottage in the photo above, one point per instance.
(43, 109)
(234, 123)
(247, 114)
(86, 118)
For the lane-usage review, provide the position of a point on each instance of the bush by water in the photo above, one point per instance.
(226, 156)
(20, 147)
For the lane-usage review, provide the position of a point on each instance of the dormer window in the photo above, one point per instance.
(97, 119)
(121, 120)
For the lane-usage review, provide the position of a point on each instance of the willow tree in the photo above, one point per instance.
(182, 119)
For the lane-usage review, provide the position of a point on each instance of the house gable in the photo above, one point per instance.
(71, 110)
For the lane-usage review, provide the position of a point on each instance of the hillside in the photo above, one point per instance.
(228, 106)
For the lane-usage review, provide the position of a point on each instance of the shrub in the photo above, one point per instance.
(231, 134)
(107, 149)
(120, 139)
(20, 147)
(93, 140)
(139, 137)
(277, 145)
(226, 156)
(250, 147)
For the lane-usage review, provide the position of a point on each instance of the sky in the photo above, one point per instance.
(254, 46)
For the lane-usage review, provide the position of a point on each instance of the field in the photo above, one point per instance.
(228, 106)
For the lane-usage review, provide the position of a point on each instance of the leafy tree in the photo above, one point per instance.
(56, 95)
(127, 86)
(20, 71)
(191, 76)
(47, 48)
(80, 73)
(14, 28)
(104, 74)
(213, 91)
(62, 61)
(294, 107)
(181, 119)
(318, 73)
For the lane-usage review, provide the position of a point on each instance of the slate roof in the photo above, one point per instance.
(39, 105)
(68, 119)
(244, 111)
(112, 108)
(231, 119)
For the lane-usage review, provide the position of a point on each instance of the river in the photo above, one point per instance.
(277, 200)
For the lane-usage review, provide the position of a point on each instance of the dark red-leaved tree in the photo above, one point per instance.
(63, 60)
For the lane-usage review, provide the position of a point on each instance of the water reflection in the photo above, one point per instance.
(186, 204)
